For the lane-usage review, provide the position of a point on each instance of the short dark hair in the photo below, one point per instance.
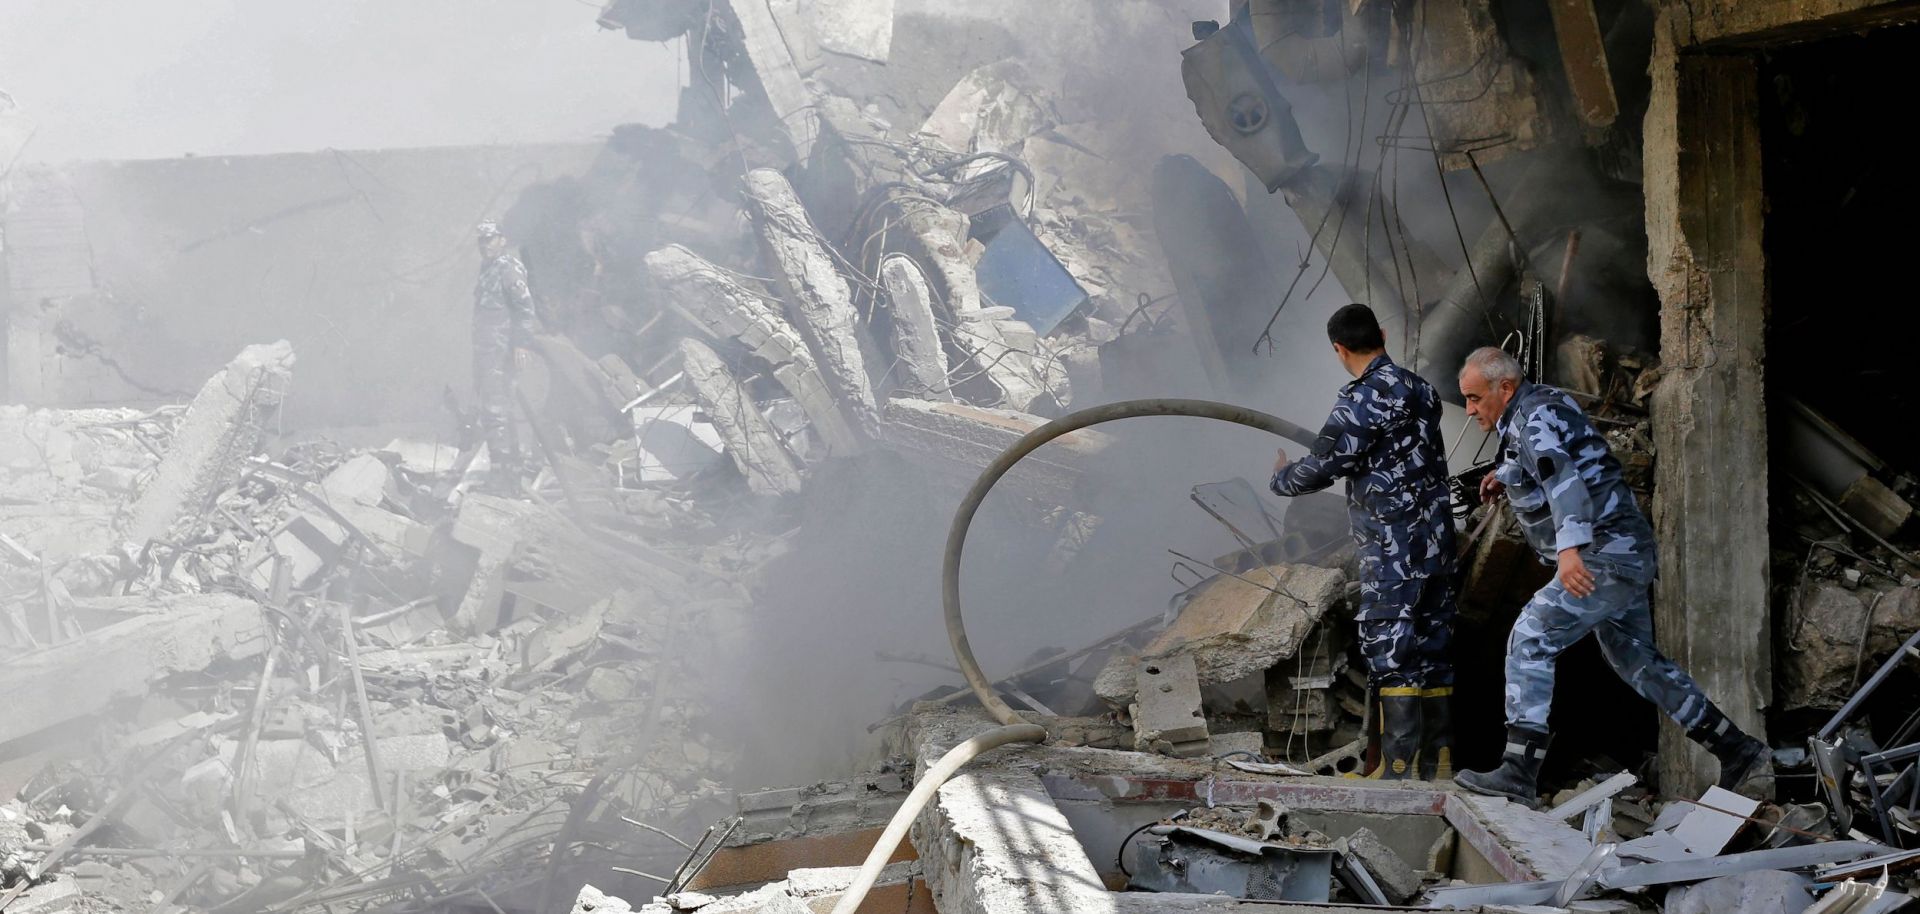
(1355, 327)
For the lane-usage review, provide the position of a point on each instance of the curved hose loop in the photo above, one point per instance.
(1072, 422)
(1013, 729)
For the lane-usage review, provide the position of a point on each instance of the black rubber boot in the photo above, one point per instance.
(1516, 778)
(1400, 731)
(1741, 756)
(1436, 734)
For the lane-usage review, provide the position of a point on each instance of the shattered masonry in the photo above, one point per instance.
(252, 667)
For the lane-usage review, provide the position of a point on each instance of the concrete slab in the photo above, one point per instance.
(172, 634)
(710, 298)
(820, 302)
(362, 480)
(493, 526)
(219, 432)
(1166, 714)
(750, 439)
(1399, 880)
(922, 360)
(1235, 627)
(328, 794)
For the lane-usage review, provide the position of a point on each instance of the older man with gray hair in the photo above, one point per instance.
(1566, 490)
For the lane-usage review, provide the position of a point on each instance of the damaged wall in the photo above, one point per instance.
(130, 282)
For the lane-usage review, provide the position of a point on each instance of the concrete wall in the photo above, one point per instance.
(1705, 211)
(167, 268)
(1753, 22)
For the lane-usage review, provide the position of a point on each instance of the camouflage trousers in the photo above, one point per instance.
(493, 388)
(1618, 614)
(1406, 633)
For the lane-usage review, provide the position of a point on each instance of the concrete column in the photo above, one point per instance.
(709, 298)
(1704, 222)
(751, 440)
(920, 359)
(822, 304)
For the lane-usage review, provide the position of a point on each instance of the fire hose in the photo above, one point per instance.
(1012, 728)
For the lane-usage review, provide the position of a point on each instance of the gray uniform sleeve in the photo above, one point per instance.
(1545, 456)
(520, 300)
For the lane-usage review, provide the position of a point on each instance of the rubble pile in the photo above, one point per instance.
(339, 677)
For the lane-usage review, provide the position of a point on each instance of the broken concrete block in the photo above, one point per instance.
(593, 901)
(327, 793)
(362, 480)
(219, 432)
(309, 544)
(388, 530)
(61, 894)
(1236, 626)
(171, 634)
(1253, 741)
(751, 441)
(606, 684)
(821, 303)
(552, 644)
(709, 298)
(1824, 622)
(920, 358)
(493, 526)
(423, 458)
(1462, 44)
(1394, 876)
(767, 49)
(856, 28)
(936, 237)
(1166, 715)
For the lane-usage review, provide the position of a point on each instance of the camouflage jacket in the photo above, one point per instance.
(1384, 439)
(503, 315)
(1565, 485)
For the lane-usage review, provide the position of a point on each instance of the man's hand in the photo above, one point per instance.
(1280, 463)
(1573, 574)
(1490, 488)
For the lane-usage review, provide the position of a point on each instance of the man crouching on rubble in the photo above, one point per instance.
(1578, 514)
(1384, 439)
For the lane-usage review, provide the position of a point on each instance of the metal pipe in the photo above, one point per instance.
(1014, 729)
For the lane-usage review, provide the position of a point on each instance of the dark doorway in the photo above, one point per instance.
(1842, 195)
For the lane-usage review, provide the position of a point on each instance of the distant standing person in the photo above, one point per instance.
(504, 324)
(1383, 438)
(1578, 514)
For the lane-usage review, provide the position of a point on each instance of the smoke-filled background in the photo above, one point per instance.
(800, 680)
(223, 77)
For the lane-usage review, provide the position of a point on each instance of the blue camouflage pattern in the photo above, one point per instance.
(503, 319)
(1414, 651)
(1383, 437)
(1566, 491)
(1621, 619)
(1566, 487)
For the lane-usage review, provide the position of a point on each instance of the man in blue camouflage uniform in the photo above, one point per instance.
(504, 324)
(1383, 438)
(1579, 516)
